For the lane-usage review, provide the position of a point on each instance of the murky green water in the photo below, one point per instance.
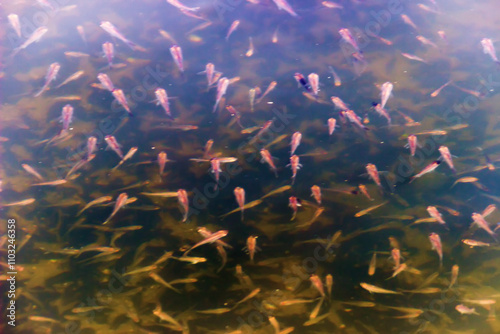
(74, 274)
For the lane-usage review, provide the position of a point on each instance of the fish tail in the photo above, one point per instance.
(40, 91)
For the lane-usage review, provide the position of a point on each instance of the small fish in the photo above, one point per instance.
(471, 92)
(50, 76)
(446, 155)
(412, 144)
(313, 79)
(121, 201)
(434, 213)
(437, 246)
(176, 53)
(374, 174)
(339, 104)
(449, 210)
(97, 201)
(331, 5)
(162, 99)
(109, 52)
(113, 144)
(239, 193)
(399, 269)
(382, 112)
(34, 37)
(432, 133)
(32, 171)
(413, 57)
(221, 91)
(482, 223)
(15, 24)
(373, 264)
(385, 93)
(336, 79)
(368, 210)
(162, 160)
(199, 27)
(426, 41)
(437, 91)
(221, 310)
(489, 49)
(232, 28)
(425, 291)
(66, 116)
(383, 40)
(353, 118)
(158, 311)
(301, 81)
(462, 309)
(329, 284)
(454, 275)
(359, 303)
(332, 123)
(183, 200)
(111, 29)
(190, 259)
(167, 36)
(277, 191)
(72, 77)
(408, 21)
(429, 168)
(210, 74)
(396, 256)
(211, 239)
(42, 319)
(347, 37)
(295, 142)
(316, 282)
(161, 281)
(251, 48)
(236, 114)
(466, 179)
(252, 246)
(92, 146)
(375, 289)
(81, 32)
(274, 39)
(252, 93)
(122, 100)
(141, 270)
(295, 165)
(475, 243)
(316, 193)
(106, 82)
(267, 158)
(483, 302)
(127, 156)
(51, 183)
(290, 302)
(24, 202)
(271, 86)
(181, 7)
(442, 34)
(284, 5)
(488, 210)
(87, 309)
(427, 8)
(294, 203)
(362, 188)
